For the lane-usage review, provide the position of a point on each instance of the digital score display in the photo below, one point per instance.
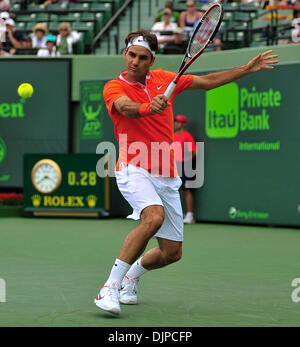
(82, 178)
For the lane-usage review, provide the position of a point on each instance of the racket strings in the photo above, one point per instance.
(205, 30)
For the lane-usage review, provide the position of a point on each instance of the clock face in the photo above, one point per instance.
(46, 176)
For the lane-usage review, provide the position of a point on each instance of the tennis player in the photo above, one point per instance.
(143, 118)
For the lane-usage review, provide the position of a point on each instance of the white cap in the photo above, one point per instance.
(4, 15)
(10, 21)
(296, 22)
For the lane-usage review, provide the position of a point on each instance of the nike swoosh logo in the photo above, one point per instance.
(158, 88)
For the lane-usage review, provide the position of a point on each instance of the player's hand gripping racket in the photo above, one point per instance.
(200, 39)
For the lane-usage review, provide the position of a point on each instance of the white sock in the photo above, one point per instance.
(136, 270)
(189, 214)
(118, 271)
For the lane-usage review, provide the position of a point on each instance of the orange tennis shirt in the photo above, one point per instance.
(146, 141)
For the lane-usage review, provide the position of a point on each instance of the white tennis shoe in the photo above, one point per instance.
(188, 219)
(108, 298)
(128, 292)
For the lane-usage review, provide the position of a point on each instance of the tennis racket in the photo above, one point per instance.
(200, 39)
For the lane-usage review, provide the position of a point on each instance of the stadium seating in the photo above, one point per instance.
(85, 16)
(241, 22)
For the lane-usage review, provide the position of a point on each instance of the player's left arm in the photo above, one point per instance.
(217, 79)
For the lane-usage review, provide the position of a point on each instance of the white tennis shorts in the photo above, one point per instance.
(141, 189)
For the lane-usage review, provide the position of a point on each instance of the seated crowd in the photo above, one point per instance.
(172, 28)
(38, 41)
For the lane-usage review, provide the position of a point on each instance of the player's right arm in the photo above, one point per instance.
(127, 107)
(115, 97)
(131, 109)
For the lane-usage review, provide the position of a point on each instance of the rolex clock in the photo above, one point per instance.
(46, 176)
(64, 184)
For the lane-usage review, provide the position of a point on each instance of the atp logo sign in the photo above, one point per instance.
(92, 108)
(230, 110)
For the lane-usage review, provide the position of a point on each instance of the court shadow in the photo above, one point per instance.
(105, 315)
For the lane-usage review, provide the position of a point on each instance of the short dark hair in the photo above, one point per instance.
(150, 38)
(169, 4)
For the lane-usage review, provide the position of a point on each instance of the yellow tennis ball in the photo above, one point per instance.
(25, 90)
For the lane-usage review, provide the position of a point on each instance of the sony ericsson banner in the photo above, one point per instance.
(34, 125)
(250, 129)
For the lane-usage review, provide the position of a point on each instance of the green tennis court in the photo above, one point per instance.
(228, 276)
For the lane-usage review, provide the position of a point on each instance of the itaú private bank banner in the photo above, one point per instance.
(251, 132)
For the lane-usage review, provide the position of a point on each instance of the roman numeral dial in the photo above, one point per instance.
(46, 176)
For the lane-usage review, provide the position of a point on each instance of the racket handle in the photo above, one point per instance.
(170, 89)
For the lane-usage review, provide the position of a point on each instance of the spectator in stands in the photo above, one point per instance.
(25, 46)
(178, 46)
(27, 42)
(66, 39)
(190, 16)
(49, 2)
(296, 29)
(4, 5)
(2, 30)
(2, 51)
(39, 36)
(217, 43)
(160, 27)
(50, 50)
(283, 2)
(13, 39)
(4, 15)
(175, 15)
(296, 8)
